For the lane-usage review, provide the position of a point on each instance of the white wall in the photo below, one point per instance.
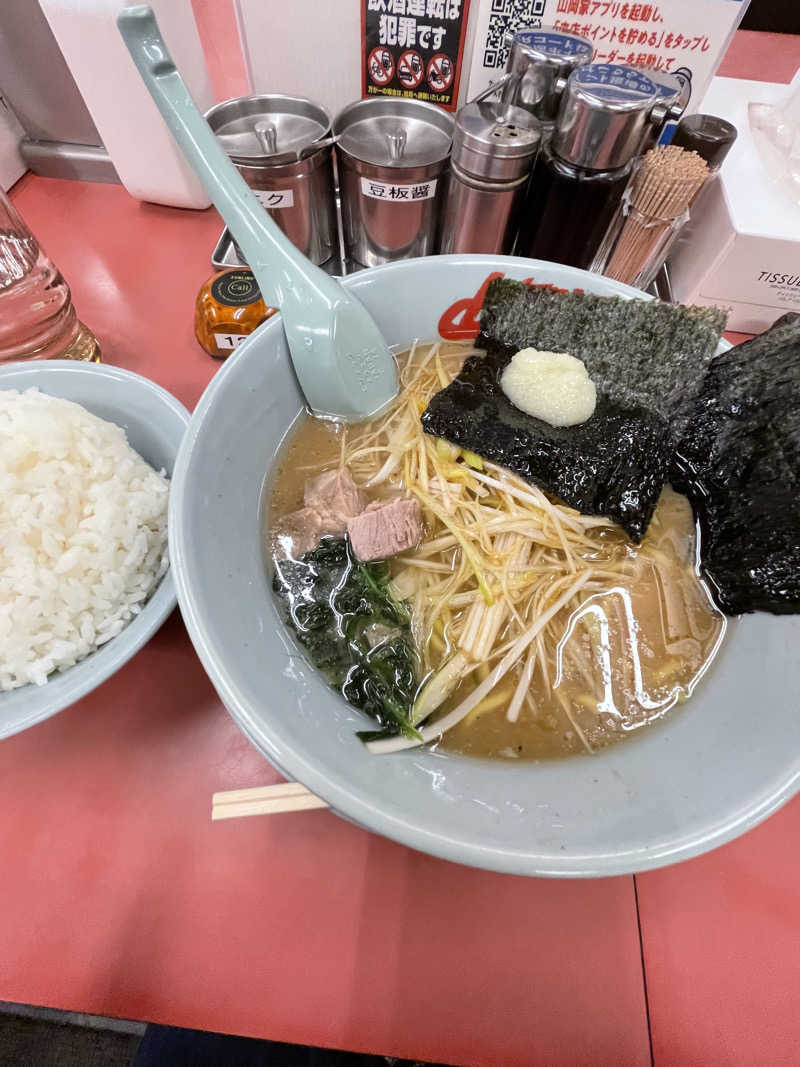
(11, 165)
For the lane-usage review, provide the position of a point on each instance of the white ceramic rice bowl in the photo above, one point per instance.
(711, 771)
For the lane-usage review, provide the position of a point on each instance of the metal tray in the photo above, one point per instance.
(226, 254)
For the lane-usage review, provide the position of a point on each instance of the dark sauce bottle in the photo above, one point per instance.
(568, 210)
(605, 118)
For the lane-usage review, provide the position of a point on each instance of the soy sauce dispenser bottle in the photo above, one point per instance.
(604, 122)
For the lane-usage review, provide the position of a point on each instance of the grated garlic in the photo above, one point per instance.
(552, 386)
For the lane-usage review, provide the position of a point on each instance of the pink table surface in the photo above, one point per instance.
(721, 934)
(118, 896)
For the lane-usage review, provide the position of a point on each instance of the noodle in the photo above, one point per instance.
(503, 576)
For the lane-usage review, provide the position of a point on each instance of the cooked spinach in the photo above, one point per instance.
(342, 613)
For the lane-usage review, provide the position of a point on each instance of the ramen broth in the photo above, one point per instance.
(633, 645)
(617, 669)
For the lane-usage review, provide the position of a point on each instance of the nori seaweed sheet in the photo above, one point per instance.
(639, 353)
(647, 361)
(613, 464)
(739, 464)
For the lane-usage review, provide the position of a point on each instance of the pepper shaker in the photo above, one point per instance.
(494, 147)
(711, 137)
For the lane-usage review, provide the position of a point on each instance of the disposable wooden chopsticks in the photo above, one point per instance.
(264, 800)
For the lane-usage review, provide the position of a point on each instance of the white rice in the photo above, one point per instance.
(83, 534)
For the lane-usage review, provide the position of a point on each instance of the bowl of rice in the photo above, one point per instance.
(86, 454)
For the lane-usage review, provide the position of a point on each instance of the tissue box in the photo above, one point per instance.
(741, 249)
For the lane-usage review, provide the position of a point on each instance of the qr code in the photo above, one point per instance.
(506, 16)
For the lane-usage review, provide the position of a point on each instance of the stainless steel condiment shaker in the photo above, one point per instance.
(391, 154)
(281, 145)
(538, 66)
(605, 115)
(494, 147)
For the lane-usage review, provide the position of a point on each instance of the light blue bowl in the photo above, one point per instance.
(155, 423)
(705, 775)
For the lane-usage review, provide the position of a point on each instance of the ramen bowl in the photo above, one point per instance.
(702, 776)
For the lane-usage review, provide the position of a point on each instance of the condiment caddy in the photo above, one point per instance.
(537, 165)
(344, 366)
(392, 156)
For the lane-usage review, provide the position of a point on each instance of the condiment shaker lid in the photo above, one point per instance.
(539, 62)
(671, 90)
(711, 137)
(392, 132)
(673, 94)
(270, 129)
(494, 141)
(604, 115)
(555, 47)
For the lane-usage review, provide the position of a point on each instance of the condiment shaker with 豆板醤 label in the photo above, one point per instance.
(603, 124)
(539, 64)
(392, 155)
(281, 145)
(494, 146)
